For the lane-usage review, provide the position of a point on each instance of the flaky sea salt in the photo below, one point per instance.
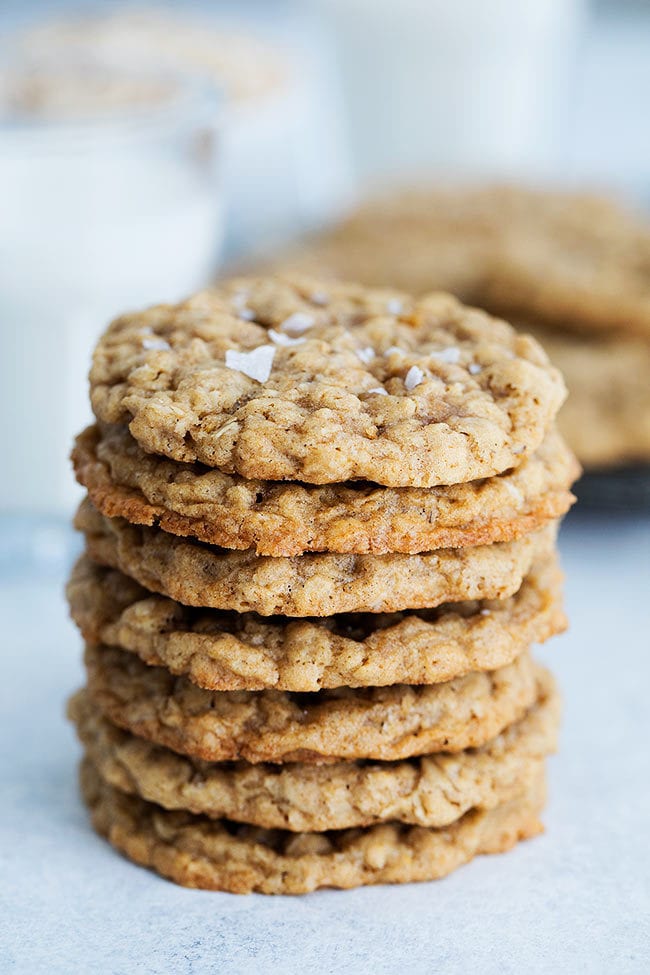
(413, 377)
(298, 323)
(255, 364)
(394, 349)
(394, 306)
(450, 355)
(319, 298)
(379, 391)
(474, 368)
(366, 355)
(280, 339)
(160, 345)
(246, 313)
(518, 449)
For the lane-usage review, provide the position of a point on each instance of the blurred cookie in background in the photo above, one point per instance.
(606, 416)
(573, 269)
(576, 261)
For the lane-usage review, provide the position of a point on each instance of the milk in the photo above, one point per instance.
(284, 158)
(94, 220)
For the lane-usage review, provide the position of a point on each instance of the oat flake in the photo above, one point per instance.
(280, 339)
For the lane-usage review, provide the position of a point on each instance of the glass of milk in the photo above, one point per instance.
(282, 149)
(108, 201)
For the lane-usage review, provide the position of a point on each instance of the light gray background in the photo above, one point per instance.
(575, 900)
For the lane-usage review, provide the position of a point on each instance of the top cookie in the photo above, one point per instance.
(287, 379)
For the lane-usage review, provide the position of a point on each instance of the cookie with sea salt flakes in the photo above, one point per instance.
(285, 379)
(223, 651)
(285, 518)
(434, 790)
(221, 855)
(385, 723)
(314, 584)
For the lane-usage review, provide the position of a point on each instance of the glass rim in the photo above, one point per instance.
(191, 100)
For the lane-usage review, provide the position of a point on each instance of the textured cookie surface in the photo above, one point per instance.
(308, 585)
(219, 855)
(430, 791)
(574, 261)
(285, 519)
(231, 651)
(280, 379)
(384, 723)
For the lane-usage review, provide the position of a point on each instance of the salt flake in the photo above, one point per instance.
(246, 313)
(474, 368)
(518, 450)
(413, 377)
(255, 364)
(159, 344)
(298, 323)
(319, 298)
(394, 306)
(366, 355)
(378, 391)
(394, 349)
(450, 355)
(281, 339)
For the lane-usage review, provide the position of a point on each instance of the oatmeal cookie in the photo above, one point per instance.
(574, 261)
(284, 379)
(315, 584)
(220, 855)
(286, 518)
(384, 723)
(434, 790)
(223, 651)
(606, 417)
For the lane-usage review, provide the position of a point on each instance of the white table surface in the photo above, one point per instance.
(575, 900)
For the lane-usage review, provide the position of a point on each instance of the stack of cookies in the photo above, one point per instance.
(573, 269)
(320, 540)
